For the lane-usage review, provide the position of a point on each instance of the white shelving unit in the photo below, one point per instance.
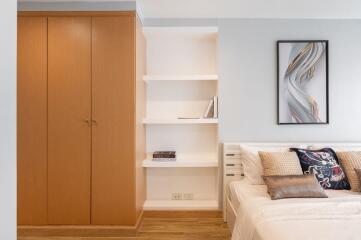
(182, 78)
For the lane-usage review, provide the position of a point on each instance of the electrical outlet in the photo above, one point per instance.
(188, 196)
(176, 196)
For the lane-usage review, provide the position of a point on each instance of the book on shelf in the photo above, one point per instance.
(212, 108)
(164, 156)
(215, 107)
(209, 111)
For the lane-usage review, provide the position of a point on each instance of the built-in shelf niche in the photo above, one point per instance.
(181, 80)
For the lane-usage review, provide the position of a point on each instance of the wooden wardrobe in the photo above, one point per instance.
(80, 106)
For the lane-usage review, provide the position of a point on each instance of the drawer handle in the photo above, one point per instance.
(230, 154)
(229, 164)
(229, 174)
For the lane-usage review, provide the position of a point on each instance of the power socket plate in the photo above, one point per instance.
(188, 196)
(177, 196)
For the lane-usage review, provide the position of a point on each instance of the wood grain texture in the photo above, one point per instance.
(32, 120)
(76, 231)
(182, 214)
(140, 102)
(113, 109)
(167, 229)
(83, 231)
(69, 101)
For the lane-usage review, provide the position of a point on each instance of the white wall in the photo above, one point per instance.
(8, 119)
(247, 88)
(250, 9)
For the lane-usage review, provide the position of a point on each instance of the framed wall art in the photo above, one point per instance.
(302, 85)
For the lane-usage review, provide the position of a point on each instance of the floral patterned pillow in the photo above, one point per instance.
(324, 165)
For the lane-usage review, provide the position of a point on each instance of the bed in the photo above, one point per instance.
(252, 215)
(259, 218)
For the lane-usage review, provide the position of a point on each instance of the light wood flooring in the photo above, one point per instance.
(168, 229)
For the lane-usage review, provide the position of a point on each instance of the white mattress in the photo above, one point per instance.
(260, 218)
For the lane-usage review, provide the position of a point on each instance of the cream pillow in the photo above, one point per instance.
(351, 161)
(252, 165)
(280, 163)
(251, 161)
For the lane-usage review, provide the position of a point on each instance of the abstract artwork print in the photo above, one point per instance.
(302, 82)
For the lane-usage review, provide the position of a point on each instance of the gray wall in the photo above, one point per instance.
(247, 87)
(8, 120)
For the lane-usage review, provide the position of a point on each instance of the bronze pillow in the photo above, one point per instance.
(294, 186)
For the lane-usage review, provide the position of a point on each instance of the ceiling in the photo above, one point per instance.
(241, 8)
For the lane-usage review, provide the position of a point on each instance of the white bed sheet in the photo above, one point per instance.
(238, 190)
(260, 218)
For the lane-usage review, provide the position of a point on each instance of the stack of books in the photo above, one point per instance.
(164, 156)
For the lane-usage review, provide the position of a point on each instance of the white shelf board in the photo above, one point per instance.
(170, 78)
(181, 121)
(194, 30)
(148, 163)
(181, 205)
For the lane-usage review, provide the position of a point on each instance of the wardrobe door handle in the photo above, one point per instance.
(87, 121)
(94, 122)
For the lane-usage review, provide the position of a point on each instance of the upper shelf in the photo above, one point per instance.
(186, 31)
(149, 78)
(181, 121)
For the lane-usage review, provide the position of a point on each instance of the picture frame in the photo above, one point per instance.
(302, 82)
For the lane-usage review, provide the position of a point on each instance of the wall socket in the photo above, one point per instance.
(177, 196)
(188, 196)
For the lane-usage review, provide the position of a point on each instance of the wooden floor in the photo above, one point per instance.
(169, 229)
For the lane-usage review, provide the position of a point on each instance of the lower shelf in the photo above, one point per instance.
(180, 205)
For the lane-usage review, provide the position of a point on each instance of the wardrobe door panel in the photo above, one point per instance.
(69, 155)
(32, 120)
(113, 109)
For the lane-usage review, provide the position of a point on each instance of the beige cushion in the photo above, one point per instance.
(294, 186)
(280, 163)
(251, 161)
(358, 174)
(349, 161)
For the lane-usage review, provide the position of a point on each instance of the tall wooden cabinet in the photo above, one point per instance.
(77, 105)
